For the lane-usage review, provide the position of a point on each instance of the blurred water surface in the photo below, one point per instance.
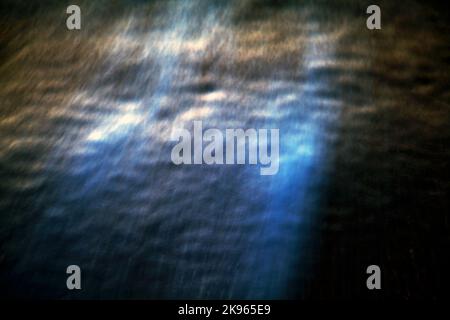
(85, 170)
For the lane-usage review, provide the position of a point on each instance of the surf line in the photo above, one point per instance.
(259, 148)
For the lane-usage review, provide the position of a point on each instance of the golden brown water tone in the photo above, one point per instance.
(85, 170)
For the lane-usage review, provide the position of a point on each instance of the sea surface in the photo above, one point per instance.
(86, 176)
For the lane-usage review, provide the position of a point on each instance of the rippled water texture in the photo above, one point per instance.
(85, 170)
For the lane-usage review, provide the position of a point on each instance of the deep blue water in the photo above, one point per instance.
(86, 176)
